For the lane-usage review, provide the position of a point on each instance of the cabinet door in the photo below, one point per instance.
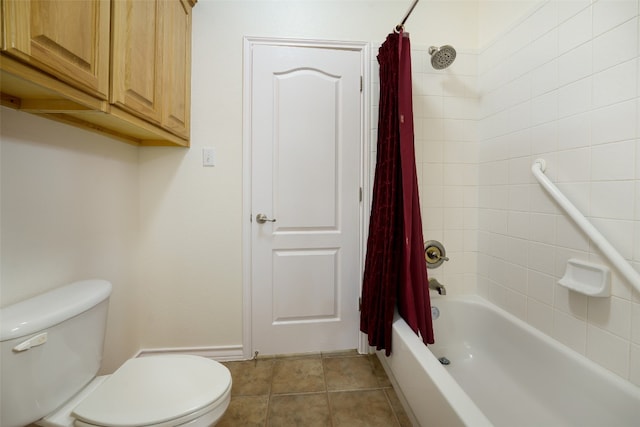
(66, 38)
(136, 64)
(177, 66)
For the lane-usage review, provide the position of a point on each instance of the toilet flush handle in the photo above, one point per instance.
(31, 342)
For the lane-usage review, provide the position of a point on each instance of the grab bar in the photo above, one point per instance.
(621, 264)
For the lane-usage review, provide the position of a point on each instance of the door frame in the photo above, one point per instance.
(365, 167)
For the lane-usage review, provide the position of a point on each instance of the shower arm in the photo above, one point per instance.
(400, 26)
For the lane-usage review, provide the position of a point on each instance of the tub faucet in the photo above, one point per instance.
(434, 284)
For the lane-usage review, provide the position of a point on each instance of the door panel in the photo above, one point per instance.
(306, 155)
(306, 135)
(177, 67)
(136, 58)
(304, 285)
(68, 39)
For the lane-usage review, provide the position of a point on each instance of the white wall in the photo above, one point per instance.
(69, 211)
(495, 16)
(563, 85)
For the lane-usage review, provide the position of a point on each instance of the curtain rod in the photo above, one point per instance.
(400, 26)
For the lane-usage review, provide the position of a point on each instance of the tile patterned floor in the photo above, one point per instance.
(324, 390)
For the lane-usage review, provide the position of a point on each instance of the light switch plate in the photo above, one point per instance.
(208, 156)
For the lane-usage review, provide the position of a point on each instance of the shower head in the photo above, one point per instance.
(442, 57)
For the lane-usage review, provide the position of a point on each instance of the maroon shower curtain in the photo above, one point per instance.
(395, 273)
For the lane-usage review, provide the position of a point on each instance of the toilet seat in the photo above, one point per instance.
(157, 391)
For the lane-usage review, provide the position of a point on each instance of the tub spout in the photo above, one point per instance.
(434, 284)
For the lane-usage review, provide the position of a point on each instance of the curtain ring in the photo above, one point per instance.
(399, 28)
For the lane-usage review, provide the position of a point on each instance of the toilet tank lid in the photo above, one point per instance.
(53, 307)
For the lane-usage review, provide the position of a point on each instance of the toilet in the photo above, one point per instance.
(50, 352)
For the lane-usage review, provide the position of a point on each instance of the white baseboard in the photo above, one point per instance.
(221, 353)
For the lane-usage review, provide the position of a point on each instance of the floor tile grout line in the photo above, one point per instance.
(326, 391)
(324, 375)
(349, 390)
(393, 410)
(270, 394)
(340, 390)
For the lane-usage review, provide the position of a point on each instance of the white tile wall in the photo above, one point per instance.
(614, 84)
(576, 103)
(575, 64)
(570, 330)
(569, 8)
(570, 236)
(574, 131)
(608, 350)
(611, 314)
(634, 370)
(614, 161)
(574, 31)
(607, 14)
(449, 162)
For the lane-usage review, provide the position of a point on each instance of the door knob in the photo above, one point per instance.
(262, 218)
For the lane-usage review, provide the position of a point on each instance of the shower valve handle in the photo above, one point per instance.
(436, 255)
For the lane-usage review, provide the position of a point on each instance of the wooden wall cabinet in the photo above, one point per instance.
(120, 68)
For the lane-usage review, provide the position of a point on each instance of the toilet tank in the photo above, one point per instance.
(50, 348)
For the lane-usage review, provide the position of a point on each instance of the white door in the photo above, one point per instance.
(306, 142)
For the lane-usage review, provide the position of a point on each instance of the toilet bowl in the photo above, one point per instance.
(155, 391)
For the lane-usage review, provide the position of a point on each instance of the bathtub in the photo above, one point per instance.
(502, 372)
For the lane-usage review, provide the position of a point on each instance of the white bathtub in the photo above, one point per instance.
(503, 372)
